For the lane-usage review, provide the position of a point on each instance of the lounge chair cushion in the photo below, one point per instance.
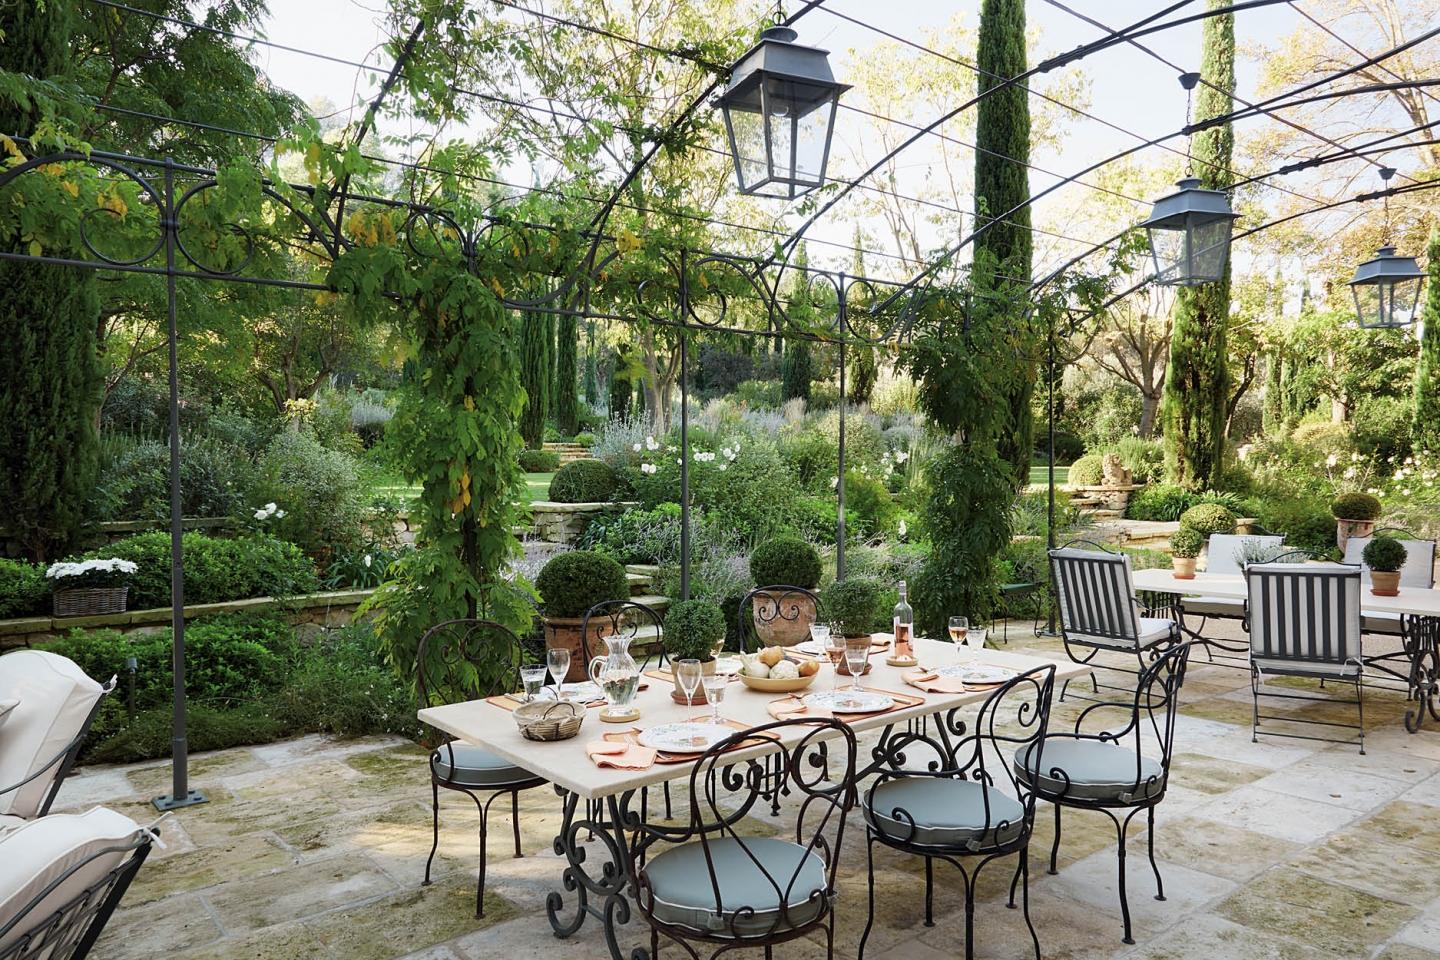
(1082, 769)
(475, 767)
(1153, 630)
(55, 699)
(930, 811)
(749, 901)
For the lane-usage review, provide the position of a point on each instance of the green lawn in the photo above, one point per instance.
(1040, 474)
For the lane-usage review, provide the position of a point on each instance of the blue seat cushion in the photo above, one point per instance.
(752, 880)
(1076, 768)
(475, 767)
(931, 811)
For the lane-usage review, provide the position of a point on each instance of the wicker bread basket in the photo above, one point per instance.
(549, 719)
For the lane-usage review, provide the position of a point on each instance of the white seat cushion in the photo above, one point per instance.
(1152, 631)
(56, 698)
(1293, 668)
(1213, 606)
(937, 812)
(5, 707)
(751, 878)
(476, 767)
(8, 823)
(41, 851)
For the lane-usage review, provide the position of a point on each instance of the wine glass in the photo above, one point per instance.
(687, 674)
(715, 685)
(819, 634)
(835, 651)
(857, 653)
(959, 634)
(532, 675)
(557, 660)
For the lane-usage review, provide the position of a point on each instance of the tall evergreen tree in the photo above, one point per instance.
(1197, 381)
(535, 374)
(567, 401)
(592, 368)
(1003, 253)
(864, 370)
(1426, 428)
(797, 366)
(48, 315)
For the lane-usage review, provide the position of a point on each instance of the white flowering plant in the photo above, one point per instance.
(90, 574)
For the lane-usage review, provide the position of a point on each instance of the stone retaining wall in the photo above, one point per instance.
(566, 522)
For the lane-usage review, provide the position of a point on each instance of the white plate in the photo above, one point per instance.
(685, 737)
(978, 673)
(813, 648)
(584, 690)
(847, 701)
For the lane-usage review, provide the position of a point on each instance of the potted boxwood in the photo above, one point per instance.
(570, 584)
(783, 618)
(851, 605)
(1208, 518)
(693, 630)
(1185, 546)
(1384, 556)
(1355, 515)
(90, 587)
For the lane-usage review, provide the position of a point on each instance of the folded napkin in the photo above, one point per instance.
(622, 756)
(931, 682)
(787, 707)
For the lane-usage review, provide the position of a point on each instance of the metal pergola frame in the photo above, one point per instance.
(680, 308)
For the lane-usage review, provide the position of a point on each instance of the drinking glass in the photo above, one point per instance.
(532, 675)
(687, 674)
(558, 662)
(857, 654)
(835, 651)
(715, 685)
(959, 634)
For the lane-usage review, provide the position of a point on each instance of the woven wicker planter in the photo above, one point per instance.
(90, 601)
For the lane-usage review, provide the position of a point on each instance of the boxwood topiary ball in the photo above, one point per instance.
(1384, 555)
(583, 481)
(1208, 518)
(1355, 506)
(573, 582)
(785, 561)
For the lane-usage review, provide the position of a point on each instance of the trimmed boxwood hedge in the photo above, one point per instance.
(785, 561)
(573, 582)
(583, 481)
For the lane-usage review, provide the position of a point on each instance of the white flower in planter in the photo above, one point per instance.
(901, 456)
(636, 448)
(902, 529)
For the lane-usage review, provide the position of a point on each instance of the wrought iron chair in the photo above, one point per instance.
(45, 730)
(777, 603)
(63, 919)
(967, 802)
(1225, 554)
(463, 660)
(706, 884)
(1098, 611)
(1114, 770)
(1304, 621)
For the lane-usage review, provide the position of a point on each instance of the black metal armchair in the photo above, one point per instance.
(462, 660)
(1119, 772)
(967, 802)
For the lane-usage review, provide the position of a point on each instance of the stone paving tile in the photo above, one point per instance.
(1406, 951)
(1095, 881)
(1330, 782)
(297, 893)
(1330, 916)
(1215, 938)
(1276, 814)
(1393, 871)
(1220, 849)
(1211, 775)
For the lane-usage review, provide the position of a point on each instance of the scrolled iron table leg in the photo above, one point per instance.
(599, 885)
(1421, 637)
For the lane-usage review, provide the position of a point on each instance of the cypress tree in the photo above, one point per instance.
(622, 389)
(48, 315)
(1002, 182)
(567, 403)
(535, 374)
(592, 368)
(1197, 382)
(864, 371)
(1426, 428)
(797, 366)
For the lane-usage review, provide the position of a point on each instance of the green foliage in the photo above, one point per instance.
(692, 629)
(852, 605)
(797, 370)
(585, 438)
(1161, 501)
(1088, 470)
(1208, 518)
(1187, 542)
(1426, 424)
(1356, 506)
(216, 570)
(1384, 554)
(1197, 379)
(787, 561)
(24, 591)
(539, 461)
(536, 375)
(583, 481)
(1145, 459)
(811, 456)
(134, 481)
(760, 394)
(319, 490)
(148, 736)
(566, 399)
(871, 502)
(1305, 522)
(571, 583)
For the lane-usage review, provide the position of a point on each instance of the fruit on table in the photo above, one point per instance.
(809, 668)
(785, 670)
(771, 655)
(756, 669)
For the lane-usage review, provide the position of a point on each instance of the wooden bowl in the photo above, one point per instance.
(767, 685)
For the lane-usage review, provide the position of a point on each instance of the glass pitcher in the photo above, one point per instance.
(618, 677)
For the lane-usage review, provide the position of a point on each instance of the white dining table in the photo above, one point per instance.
(1412, 601)
(597, 875)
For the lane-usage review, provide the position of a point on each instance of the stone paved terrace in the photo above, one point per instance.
(1282, 850)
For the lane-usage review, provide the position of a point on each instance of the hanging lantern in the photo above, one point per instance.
(1386, 290)
(779, 111)
(1190, 235)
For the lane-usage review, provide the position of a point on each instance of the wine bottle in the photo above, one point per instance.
(903, 626)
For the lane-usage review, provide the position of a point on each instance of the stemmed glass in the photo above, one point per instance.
(687, 674)
(857, 653)
(715, 685)
(532, 675)
(959, 631)
(557, 660)
(834, 646)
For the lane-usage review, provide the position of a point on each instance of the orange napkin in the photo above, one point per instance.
(931, 682)
(623, 756)
(788, 708)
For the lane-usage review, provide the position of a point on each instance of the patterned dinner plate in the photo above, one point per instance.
(812, 648)
(586, 690)
(978, 673)
(849, 701)
(685, 737)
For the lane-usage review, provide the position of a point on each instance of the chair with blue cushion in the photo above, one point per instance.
(1120, 770)
(707, 885)
(953, 795)
(457, 661)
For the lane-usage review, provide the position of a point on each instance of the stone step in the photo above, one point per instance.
(1102, 514)
(639, 583)
(653, 600)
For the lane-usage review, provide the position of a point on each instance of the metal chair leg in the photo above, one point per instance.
(1025, 895)
(1055, 846)
(929, 892)
(1124, 899)
(515, 820)
(435, 817)
(870, 896)
(1150, 843)
(480, 883)
(969, 916)
(1360, 703)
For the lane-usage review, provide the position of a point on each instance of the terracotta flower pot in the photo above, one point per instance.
(1345, 529)
(1385, 583)
(782, 619)
(1184, 567)
(563, 633)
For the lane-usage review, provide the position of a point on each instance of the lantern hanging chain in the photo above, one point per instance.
(1385, 174)
(778, 17)
(1188, 81)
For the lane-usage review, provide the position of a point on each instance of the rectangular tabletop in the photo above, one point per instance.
(1415, 601)
(565, 763)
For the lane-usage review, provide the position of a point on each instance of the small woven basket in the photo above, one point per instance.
(549, 719)
(89, 601)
